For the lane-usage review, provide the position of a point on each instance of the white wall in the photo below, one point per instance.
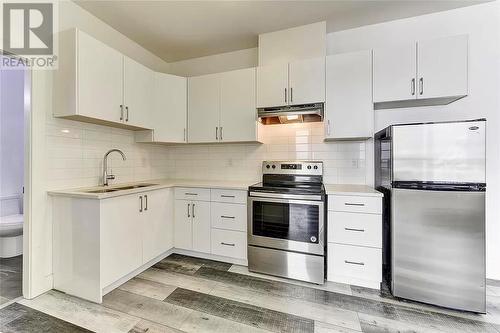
(11, 132)
(68, 154)
(481, 23)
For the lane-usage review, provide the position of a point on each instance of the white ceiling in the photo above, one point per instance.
(177, 30)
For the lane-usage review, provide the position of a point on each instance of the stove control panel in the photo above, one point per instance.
(293, 167)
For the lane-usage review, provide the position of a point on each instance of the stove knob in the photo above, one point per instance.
(315, 167)
(268, 166)
(309, 167)
(274, 166)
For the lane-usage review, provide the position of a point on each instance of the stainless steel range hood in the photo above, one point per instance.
(291, 114)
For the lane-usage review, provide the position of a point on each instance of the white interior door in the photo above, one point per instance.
(238, 118)
(394, 73)
(349, 108)
(183, 226)
(272, 85)
(307, 81)
(138, 93)
(100, 79)
(201, 226)
(170, 108)
(442, 67)
(203, 108)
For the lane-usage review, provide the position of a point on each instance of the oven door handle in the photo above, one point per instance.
(284, 200)
(267, 195)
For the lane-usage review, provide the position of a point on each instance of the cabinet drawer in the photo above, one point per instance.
(231, 196)
(355, 229)
(355, 204)
(192, 193)
(350, 264)
(229, 243)
(229, 216)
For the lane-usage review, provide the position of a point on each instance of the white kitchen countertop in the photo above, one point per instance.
(158, 184)
(348, 189)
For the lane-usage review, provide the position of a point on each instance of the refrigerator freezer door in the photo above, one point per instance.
(438, 248)
(440, 152)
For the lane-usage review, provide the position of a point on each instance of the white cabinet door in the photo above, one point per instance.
(157, 223)
(170, 108)
(183, 227)
(394, 73)
(99, 79)
(307, 81)
(138, 83)
(349, 108)
(203, 108)
(120, 240)
(200, 211)
(238, 119)
(272, 85)
(442, 67)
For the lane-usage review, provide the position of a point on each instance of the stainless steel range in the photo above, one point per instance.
(286, 219)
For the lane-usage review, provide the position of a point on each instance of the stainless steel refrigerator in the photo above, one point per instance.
(433, 177)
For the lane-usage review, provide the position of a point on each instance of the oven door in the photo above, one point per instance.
(286, 224)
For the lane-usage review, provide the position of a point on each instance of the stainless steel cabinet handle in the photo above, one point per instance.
(193, 211)
(184, 135)
(189, 193)
(354, 263)
(421, 86)
(413, 86)
(227, 196)
(354, 204)
(126, 108)
(140, 199)
(227, 217)
(220, 133)
(227, 244)
(328, 127)
(291, 95)
(285, 95)
(146, 199)
(121, 111)
(351, 229)
(188, 210)
(216, 133)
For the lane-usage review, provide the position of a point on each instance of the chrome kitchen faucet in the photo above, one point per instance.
(105, 176)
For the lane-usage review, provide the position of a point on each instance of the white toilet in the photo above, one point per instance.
(11, 227)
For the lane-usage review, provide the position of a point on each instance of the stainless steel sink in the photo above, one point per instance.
(120, 188)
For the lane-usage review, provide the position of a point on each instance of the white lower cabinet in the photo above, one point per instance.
(229, 216)
(192, 225)
(355, 240)
(99, 244)
(229, 243)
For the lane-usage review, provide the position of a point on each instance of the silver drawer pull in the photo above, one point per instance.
(353, 204)
(351, 229)
(227, 244)
(227, 217)
(188, 193)
(227, 196)
(354, 263)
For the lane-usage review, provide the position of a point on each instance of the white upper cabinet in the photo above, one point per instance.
(432, 72)
(307, 81)
(99, 82)
(221, 107)
(204, 106)
(394, 72)
(272, 85)
(442, 67)
(298, 82)
(238, 120)
(349, 108)
(138, 83)
(169, 111)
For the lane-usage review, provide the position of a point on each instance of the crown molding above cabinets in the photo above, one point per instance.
(97, 84)
(431, 72)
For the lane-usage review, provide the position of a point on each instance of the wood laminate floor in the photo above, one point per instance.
(185, 294)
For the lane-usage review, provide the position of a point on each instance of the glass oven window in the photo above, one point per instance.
(291, 221)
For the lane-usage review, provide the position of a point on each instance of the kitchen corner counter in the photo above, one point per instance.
(157, 184)
(355, 190)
